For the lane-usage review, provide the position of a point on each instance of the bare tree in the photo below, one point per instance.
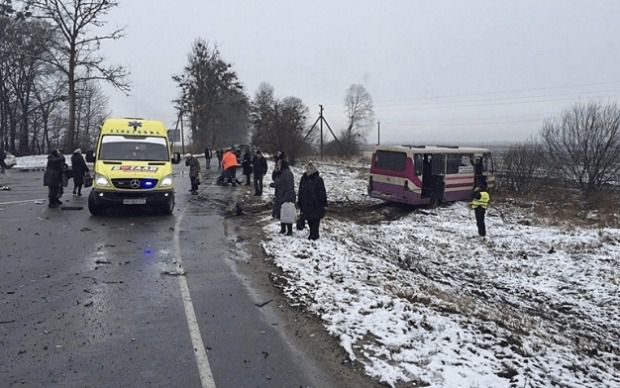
(521, 165)
(361, 116)
(22, 65)
(91, 111)
(76, 55)
(583, 145)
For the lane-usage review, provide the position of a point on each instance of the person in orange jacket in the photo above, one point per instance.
(230, 164)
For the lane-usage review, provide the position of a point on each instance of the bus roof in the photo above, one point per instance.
(426, 149)
(131, 126)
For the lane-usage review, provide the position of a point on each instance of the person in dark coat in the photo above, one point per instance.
(312, 199)
(2, 157)
(194, 172)
(79, 167)
(219, 154)
(285, 192)
(276, 170)
(208, 156)
(259, 165)
(246, 164)
(53, 177)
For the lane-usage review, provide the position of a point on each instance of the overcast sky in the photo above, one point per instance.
(438, 71)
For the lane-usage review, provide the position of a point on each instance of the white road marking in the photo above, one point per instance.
(206, 376)
(16, 202)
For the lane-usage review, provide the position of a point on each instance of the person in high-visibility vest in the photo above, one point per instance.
(480, 203)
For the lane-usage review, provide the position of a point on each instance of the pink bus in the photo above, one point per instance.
(419, 175)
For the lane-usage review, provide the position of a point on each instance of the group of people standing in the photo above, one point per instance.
(58, 173)
(252, 164)
(311, 198)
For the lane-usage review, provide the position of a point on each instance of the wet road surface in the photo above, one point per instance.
(87, 301)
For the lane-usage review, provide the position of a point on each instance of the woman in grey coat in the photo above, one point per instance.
(285, 192)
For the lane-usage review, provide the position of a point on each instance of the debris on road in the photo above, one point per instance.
(88, 304)
(174, 273)
(5, 188)
(6, 322)
(71, 207)
(102, 261)
(86, 229)
(259, 305)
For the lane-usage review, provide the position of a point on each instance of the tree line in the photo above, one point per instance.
(214, 102)
(50, 69)
(51, 96)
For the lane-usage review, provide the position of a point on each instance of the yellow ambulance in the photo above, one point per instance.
(133, 166)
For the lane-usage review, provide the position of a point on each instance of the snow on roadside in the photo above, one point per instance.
(421, 299)
(33, 161)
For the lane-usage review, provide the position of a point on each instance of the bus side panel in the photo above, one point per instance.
(396, 193)
(407, 173)
(390, 185)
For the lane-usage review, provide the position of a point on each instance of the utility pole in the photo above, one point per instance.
(378, 132)
(321, 125)
(320, 120)
(176, 127)
(182, 136)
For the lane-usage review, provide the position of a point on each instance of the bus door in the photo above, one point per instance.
(427, 176)
(433, 174)
(480, 168)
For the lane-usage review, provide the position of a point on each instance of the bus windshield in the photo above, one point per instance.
(142, 148)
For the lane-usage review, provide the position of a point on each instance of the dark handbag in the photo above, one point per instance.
(88, 180)
(301, 222)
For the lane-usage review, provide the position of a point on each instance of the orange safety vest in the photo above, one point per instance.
(229, 160)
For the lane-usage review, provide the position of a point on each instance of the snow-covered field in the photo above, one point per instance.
(420, 300)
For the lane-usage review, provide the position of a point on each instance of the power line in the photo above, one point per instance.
(432, 100)
(472, 104)
(509, 91)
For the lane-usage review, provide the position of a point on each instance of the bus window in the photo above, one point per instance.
(389, 160)
(487, 163)
(453, 163)
(439, 164)
(419, 163)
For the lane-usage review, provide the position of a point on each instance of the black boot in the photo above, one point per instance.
(282, 228)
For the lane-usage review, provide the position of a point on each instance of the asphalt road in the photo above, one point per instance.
(86, 301)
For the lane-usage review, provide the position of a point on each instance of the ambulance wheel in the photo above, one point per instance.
(93, 207)
(168, 208)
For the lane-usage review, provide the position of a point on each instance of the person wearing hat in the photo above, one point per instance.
(79, 168)
(284, 193)
(194, 172)
(312, 199)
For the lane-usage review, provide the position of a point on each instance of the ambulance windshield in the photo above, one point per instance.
(142, 148)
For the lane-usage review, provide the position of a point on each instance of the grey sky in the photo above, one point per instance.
(443, 71)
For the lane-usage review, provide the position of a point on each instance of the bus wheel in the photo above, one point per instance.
(94, 209)
(169, 207)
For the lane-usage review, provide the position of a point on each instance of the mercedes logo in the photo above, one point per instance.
(134, 183)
